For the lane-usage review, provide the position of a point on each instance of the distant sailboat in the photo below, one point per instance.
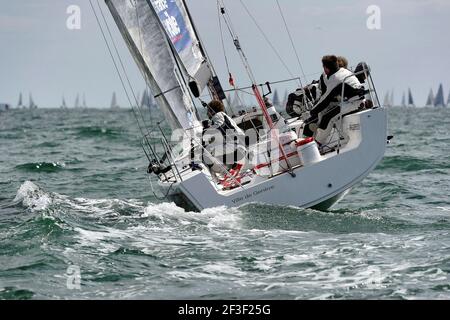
(20, 103)
(64, 104)
(448, 100)
(84, 106)
(114, 104)
(77, 102)
(410, 99)
(430, 100)
(404, 100)
(32, 105)
(389, 99)
(386, 102)
(392, 99)
(147, 101)
(439, 101)
(276, 99)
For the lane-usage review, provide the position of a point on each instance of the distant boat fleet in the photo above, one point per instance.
(145, 101)
(437, 100)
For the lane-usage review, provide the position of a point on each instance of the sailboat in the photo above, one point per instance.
(147, 101)
(387, 100)
(410, 99)
(287, 169)
(276, 99)
(114, 104)
(77, 102)
(392, 99)
(448, 100)
(64, 104)
(430, 99)
(84, 106)
(31, 104)
(404, 100)
(439, 102)
(20, 104)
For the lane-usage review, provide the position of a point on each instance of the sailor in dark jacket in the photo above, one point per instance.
(334, 80)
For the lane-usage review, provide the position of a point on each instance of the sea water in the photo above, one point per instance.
(78, 220)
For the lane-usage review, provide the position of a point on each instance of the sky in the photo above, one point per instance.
(39, 54)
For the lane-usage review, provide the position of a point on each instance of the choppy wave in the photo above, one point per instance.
(47, 167)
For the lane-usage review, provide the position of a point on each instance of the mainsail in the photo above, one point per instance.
(162, 40)
(439, 101)
(430, 100)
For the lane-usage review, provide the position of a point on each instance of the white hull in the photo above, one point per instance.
(320, 185)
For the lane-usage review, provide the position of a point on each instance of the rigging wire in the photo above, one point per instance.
(122, 65)
(272, 46)
(121, 80)
(292, 41)
(231, 80)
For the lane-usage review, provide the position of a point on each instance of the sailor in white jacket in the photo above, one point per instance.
(336, 79)
(223, 138)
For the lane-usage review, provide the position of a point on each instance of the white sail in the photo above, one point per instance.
(114, 104)
(175, 18)
(77, 102)
(392, 99)
(154, 53)
(430, 100)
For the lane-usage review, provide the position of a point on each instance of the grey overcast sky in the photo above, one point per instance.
(40, 55)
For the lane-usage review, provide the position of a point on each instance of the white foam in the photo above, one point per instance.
(214, 217)
(33, 197)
